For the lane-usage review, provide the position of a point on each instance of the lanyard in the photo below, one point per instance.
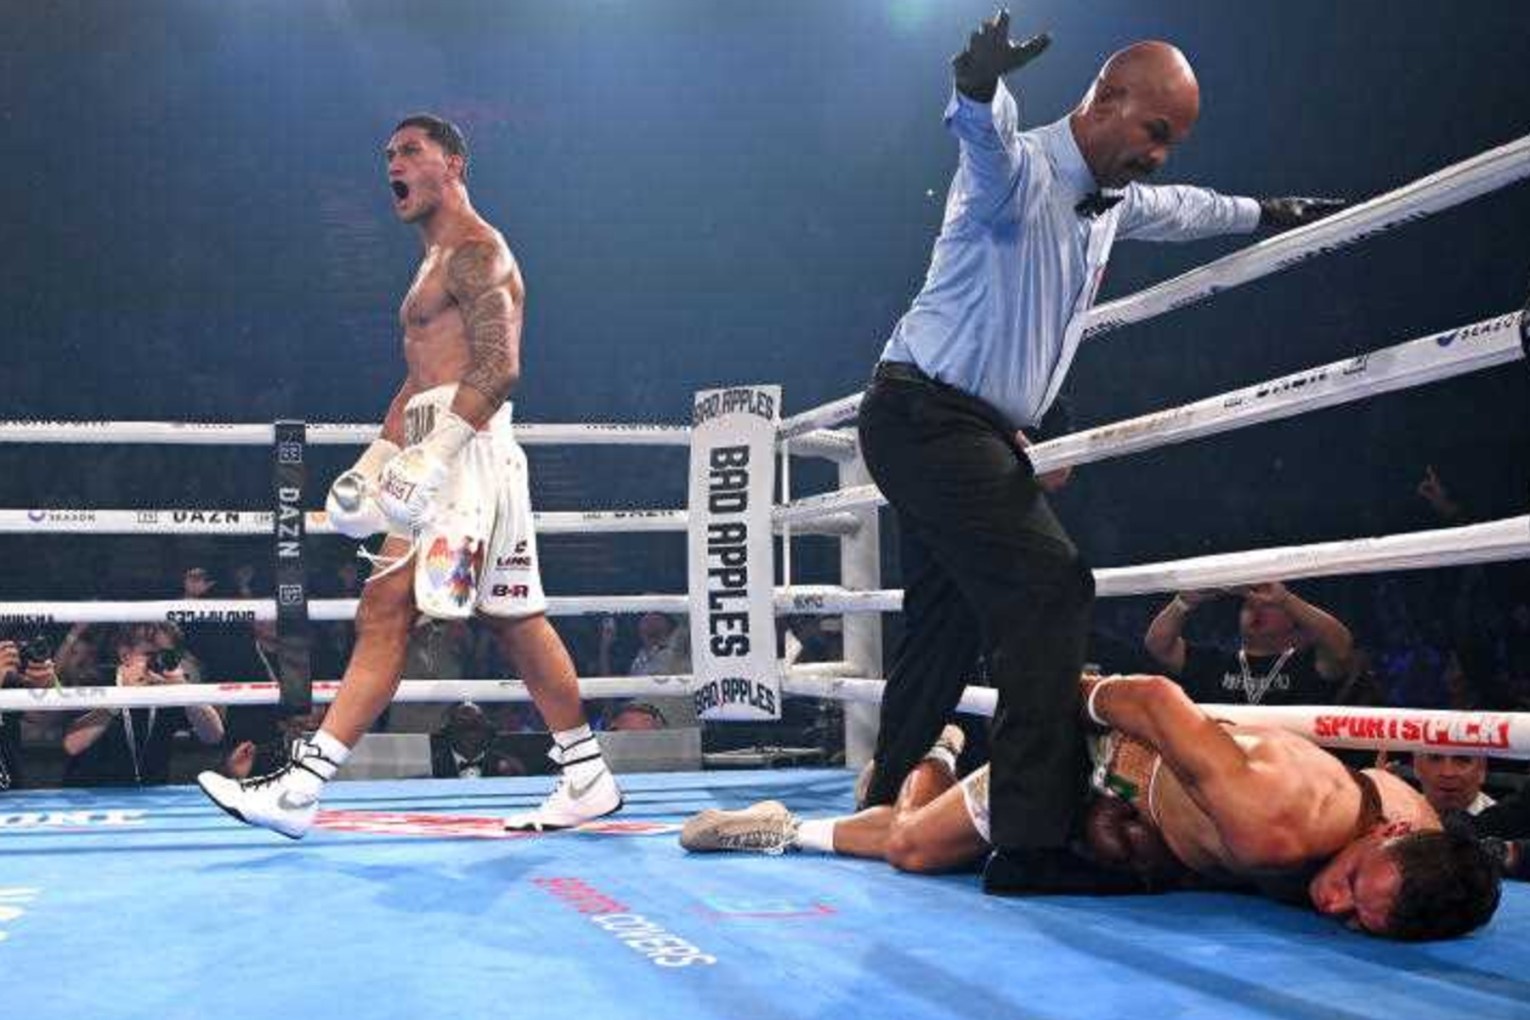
(1255, 690)
(132, 740)
(5, 771)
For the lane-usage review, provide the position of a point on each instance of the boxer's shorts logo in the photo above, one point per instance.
(464, 575)
(438, 561)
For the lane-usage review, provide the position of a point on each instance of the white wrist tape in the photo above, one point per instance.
(370, 463)
(451, 434)
(1094, 692)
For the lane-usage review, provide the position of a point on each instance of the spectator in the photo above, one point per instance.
(26, 663)
(1432, 491)
(334, 640)
(196, 583)
(78, 656)
(1290, 651)
(257, 738)
(1505, 830)
(463, 748)
(132, 747)
(664, 649)
(813, 639)
(1452, 782)
(438, 650)
(636, 715)
(1514, 653)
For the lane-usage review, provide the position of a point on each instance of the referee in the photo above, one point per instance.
(1029, 222)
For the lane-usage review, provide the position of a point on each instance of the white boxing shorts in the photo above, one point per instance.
(975, 796)
(478, 552)
(1124, 767)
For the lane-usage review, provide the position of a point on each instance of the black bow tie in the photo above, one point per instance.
(1096, 202)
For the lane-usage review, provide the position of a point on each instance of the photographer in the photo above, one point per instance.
(23, 663)
(132, 747)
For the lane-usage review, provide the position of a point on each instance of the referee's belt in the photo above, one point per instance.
(907, 372)
(904, 371)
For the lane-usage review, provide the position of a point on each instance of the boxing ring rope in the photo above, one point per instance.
(182, 433)
(1492, 734)
(1444, 355)
(1345, 727)
(829, 444)
(81, 521)
(1488, 542)
(1438, 356)
(1460, 182)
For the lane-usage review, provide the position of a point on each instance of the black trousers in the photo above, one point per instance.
(987, 569)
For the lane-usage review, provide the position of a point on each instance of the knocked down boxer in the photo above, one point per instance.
(1180, 800)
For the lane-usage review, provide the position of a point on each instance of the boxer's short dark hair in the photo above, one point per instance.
(441, 131)
(1450, 886)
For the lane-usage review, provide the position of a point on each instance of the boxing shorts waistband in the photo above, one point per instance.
(424, 408)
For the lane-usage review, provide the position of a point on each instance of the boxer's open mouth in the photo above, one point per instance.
(400, 189)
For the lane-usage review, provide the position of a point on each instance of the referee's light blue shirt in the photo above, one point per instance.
(1015, 267)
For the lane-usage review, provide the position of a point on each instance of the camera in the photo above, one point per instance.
(164, 660)
(33, 650)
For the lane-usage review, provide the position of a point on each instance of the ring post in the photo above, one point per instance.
(288, 532)
(860, 568)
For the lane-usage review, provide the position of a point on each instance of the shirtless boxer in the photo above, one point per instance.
(447, 481)
(1180, 796)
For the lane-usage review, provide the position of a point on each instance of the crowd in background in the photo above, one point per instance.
(1450, 638)
(1456, 638)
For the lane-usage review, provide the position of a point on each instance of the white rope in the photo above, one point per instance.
(1485, 172)
(179, 433)
(1454, 352)
(1451, 186)
(1489, 542)
(838, 445)
(1481, 345)
(77, 699)
(1494, 734)
(77, 521)
(833, 413)
(820, 601)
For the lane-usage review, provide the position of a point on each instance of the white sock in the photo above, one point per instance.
(318, 758)
(579, 752)
(568, 741)
(816, 835)
(328, 745)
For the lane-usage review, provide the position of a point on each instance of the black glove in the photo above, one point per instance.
(990, 55)
(1286, 213)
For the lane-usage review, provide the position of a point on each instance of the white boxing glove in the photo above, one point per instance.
(352, 504)
(409, 483)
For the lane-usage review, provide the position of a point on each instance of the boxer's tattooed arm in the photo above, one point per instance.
(481, 279)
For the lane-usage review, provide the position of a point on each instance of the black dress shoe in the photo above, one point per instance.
(1053, 871)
